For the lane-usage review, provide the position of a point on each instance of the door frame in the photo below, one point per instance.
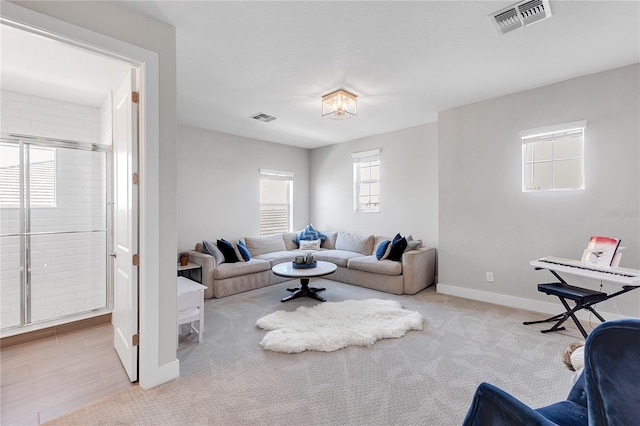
(152, 371)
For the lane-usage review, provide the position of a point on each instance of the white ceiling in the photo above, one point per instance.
(37, 65)
(405, 60)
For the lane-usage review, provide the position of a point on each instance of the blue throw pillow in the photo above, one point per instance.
(398, 246)
(382, 248)
(227, 250)
(308, 234)
(244, 251)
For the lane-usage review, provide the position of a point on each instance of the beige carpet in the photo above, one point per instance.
(425, 378)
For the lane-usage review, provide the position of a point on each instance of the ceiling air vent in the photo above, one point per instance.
(520, 15)
(266, 118)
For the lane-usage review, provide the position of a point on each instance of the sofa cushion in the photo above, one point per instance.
(230, 270)
(244, 251)
(262, 245)
(372, 264)
(339, 257)
(228, 251)
(353, 242)
(276, 257)
(398, 246)
(330, 242)
(309, 233)
(209, 248)
(289, 242)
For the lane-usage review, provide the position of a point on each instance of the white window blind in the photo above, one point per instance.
(40, 167)
(276, 201)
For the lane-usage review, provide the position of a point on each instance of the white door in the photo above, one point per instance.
(125, 225)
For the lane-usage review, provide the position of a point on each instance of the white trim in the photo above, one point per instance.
(276, 174)
(564, 127)
(151, 372)
(163, 374)
(517, 302)
(363, 155)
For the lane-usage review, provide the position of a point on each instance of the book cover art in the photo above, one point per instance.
(600, 251)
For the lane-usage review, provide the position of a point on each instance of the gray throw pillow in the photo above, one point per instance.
(413, 244)
(210, 248)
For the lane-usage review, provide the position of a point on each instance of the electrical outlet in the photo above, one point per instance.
(490, 277)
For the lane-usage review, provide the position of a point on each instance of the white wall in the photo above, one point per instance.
(487, 224)
(408, 191)
(35, 116)
(219, 184)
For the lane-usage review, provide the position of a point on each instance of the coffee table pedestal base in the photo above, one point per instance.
(305, 291)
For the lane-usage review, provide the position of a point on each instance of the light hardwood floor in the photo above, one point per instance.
(46, 378)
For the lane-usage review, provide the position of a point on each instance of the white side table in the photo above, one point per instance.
(190, 305)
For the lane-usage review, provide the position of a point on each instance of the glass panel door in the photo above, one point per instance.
(10, 234)
(10, 280)
(68, 235)
(55, 241)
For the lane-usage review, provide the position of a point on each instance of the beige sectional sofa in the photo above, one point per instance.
(353, 254)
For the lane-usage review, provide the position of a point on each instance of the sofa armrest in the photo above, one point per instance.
(208, 264)
(418, 269)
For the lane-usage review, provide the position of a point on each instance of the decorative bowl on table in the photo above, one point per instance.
(304, 265)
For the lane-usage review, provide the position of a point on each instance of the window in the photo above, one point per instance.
(366, 181)
(276, 202)
(41, 172)
(553, 157)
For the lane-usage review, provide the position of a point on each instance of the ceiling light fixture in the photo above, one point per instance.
(340, 105)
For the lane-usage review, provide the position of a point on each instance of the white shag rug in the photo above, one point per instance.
(330, 326)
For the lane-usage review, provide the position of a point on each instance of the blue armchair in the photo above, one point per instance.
(607, 392)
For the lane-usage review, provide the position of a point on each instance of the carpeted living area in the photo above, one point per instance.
(427, 377)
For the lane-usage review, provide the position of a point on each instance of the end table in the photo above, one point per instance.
(188, 269)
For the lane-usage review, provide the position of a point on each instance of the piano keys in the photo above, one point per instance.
(623, 276)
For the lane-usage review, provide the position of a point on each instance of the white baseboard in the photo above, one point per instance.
(550, 308)
(152, 377)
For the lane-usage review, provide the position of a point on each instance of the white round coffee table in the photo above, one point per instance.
(287, 270)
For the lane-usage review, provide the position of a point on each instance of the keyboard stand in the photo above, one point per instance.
(583, 298)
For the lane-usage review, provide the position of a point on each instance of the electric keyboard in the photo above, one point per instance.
(622, 276)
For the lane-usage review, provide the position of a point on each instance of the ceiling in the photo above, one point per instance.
(37, 65)
(405, 60)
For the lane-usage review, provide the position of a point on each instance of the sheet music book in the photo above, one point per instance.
(600, 251)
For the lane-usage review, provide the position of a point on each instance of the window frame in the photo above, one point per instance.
(277, 175)
(359, 159)
(552, 134)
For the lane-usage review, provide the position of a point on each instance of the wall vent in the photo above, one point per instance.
(266, 118)
(520, 15)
